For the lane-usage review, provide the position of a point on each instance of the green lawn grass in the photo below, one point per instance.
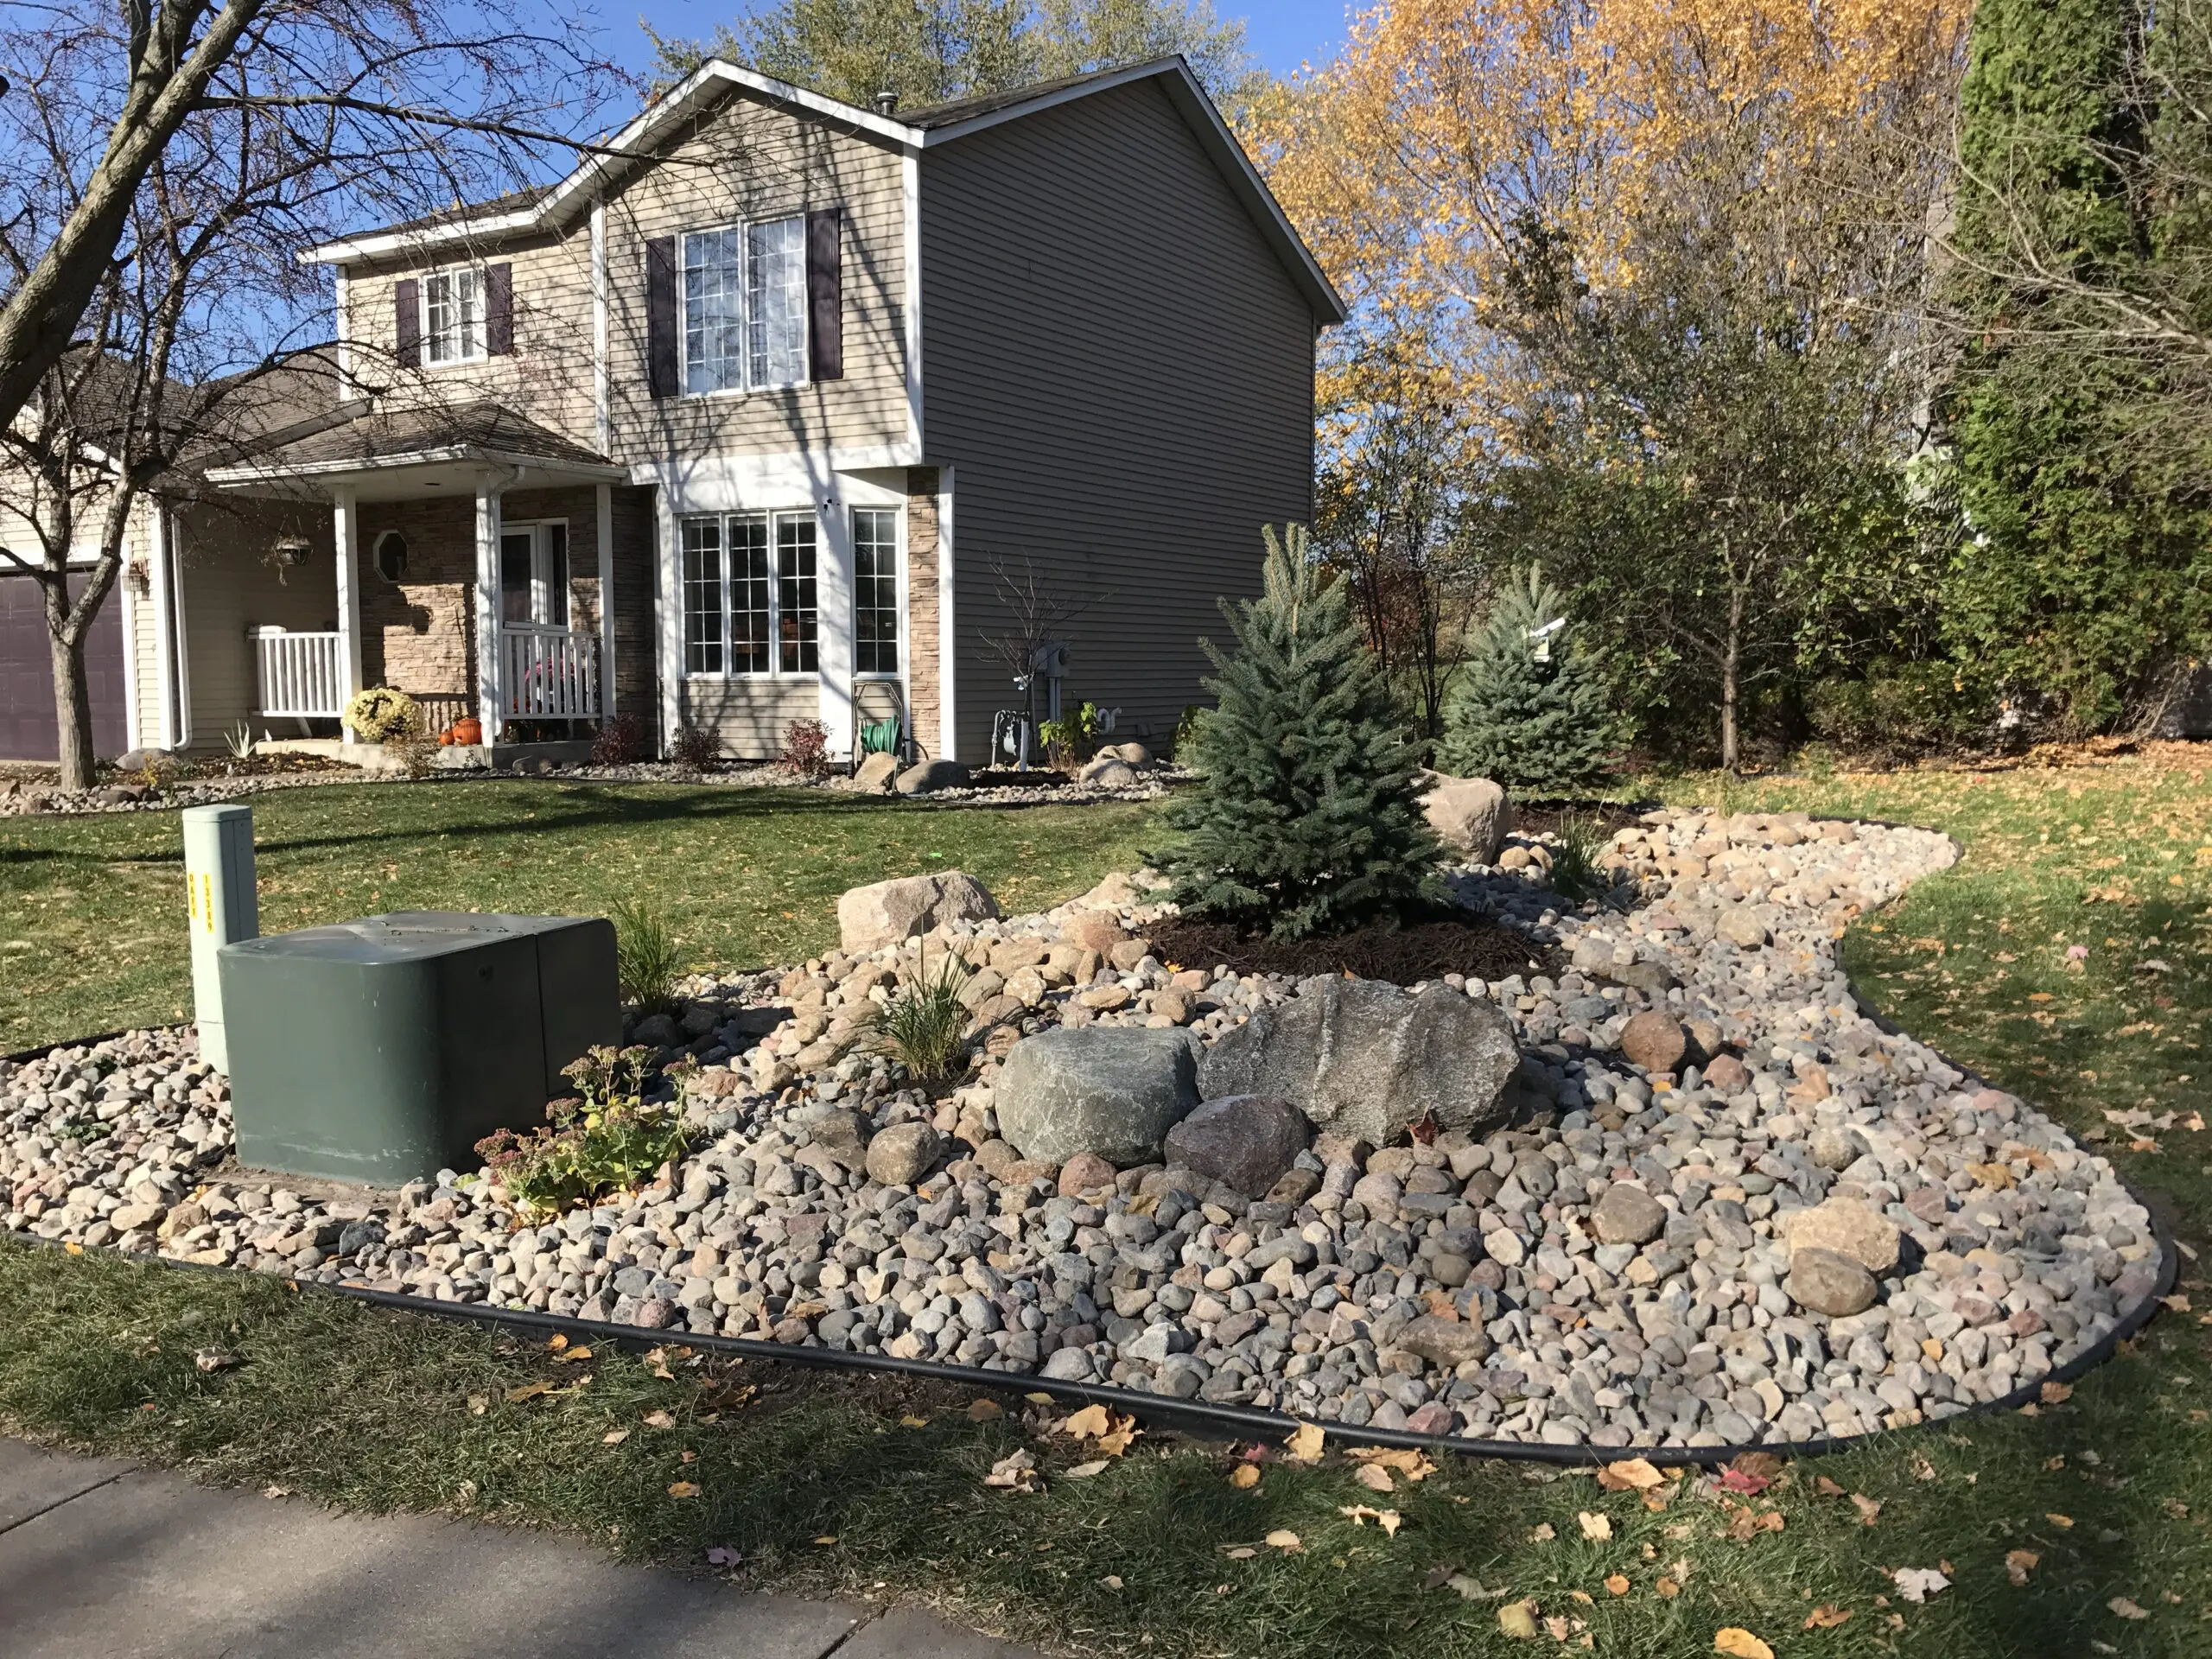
(93, 911)
(2110, 1491)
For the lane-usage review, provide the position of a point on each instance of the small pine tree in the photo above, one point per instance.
(1531, 709)
(1305, 819)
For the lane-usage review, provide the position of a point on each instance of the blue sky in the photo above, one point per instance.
(1283, 33)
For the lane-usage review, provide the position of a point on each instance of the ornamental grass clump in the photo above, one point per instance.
(1577, 871)
(647, 958)
(924, 1025)
(609, 1139)
(1305, 819)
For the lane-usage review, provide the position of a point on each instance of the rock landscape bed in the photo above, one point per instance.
(1680, 1193)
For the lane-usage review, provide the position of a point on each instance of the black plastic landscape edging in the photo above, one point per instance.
(1199, 1418)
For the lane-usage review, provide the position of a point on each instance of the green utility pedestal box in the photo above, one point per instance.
(381, 1051)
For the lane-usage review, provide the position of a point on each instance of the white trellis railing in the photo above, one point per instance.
(298, 675)
(548, 674)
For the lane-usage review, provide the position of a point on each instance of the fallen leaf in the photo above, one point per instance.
(478, 1404)
(1922, 1469)
(659, 1420)
(1305, 1443)
(1374, 1477)
(2055, 1394)
(1244, 1477)
(1518, 1619)
(1596, 1526)
(1240, 1553)
(684, 1488)
(528, 1391)
(570, 1356)
(690, 1457)
(1617, 1583)
(1826, 1487)
(1917, 1583)
(1039, 1399)
(1541, 1533)
(827, 1538)
(1666, 1589)
(1584, 1597)
(2019, 1563)
(1085, 1471)
(1632, 1474)
(1285, 1540)
(1740, 1643)
(986, 1411)
(276, 1491)
(1016, 1472)
(2061, 1521)
(2175, 1303)
(722, 1555)
(614, 1437)
(1116, 1440)
(556, 1343)
(1360, 1515)
(1469, 1589)
(1112, 1580)
(1825, 1617)
(1557, 1628)
(2127, 1609)
(1744, 1481)
(1868, 1508)
(911, 1421)
(1412, 1465)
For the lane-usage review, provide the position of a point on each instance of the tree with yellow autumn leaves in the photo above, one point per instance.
(1661, 267)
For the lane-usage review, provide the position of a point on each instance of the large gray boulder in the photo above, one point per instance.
(929, 776)
(1112, 1089)
(1243, 1140)
(885, 912)
(1365, 1060)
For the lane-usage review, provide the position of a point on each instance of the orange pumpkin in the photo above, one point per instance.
(470, 731)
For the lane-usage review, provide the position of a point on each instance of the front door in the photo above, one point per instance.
(534, 575)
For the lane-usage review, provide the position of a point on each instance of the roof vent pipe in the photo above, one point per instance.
(887, 103)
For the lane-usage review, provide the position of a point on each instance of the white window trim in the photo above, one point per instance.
(744, 227)
(775, 671)
(898, 565)
(540, 587)
(483, 316)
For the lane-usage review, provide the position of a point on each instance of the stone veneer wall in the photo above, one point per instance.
(419, 634)
(925, 685)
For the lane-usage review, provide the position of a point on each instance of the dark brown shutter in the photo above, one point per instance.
(660, 315)
(499, 310)
(407, 323)
(825, 294)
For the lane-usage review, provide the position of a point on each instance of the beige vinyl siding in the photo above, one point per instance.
(751, 715)
(548, 377)
(744, 161)
(752, 161)
(1119, 373)
(225, 588)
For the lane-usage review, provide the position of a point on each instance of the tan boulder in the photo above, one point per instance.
(1847, 1228)
(1469, 814)
(884, 913)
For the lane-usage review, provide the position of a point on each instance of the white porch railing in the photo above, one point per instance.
(298, 675)
(548, 674)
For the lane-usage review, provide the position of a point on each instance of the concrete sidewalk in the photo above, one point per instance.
(103, 1561)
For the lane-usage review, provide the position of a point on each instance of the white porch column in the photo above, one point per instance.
(668, 618)
(606, 531)
(487, 608)
(833, 622)
(166, 642)
(345, 534)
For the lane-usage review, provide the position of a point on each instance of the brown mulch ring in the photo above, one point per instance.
(1406, 956)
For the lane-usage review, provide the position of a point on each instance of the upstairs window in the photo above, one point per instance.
(453, 315)
(744, 296)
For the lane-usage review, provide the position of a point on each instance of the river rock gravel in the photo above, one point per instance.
(1811, 1226)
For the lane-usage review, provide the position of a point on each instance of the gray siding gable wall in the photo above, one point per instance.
(1119, 372)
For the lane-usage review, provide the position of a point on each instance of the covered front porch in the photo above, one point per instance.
(473, 567)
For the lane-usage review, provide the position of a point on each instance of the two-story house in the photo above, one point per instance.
(755, 416)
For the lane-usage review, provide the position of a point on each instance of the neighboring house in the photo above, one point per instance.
(740, 423)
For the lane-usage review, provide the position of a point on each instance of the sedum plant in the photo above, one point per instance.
(608, 1139)
(1304, 820)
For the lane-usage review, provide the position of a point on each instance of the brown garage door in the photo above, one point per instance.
(27, 731)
